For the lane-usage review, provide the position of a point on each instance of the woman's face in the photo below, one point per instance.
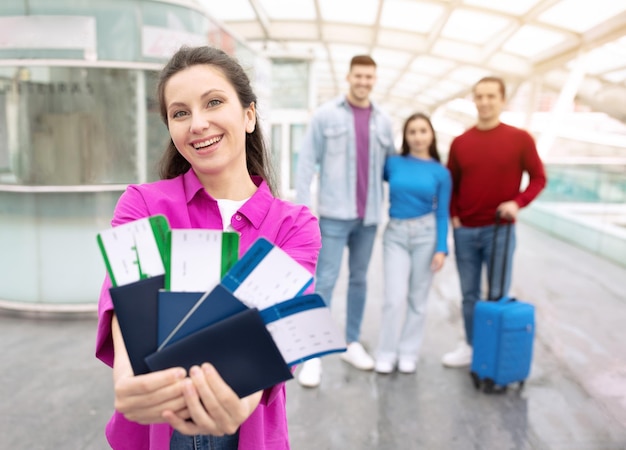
(206, 120)
(419, 136)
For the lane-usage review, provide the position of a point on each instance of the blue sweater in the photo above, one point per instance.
(418, 187)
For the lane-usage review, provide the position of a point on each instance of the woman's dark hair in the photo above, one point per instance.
(432, 149)
(172, 163)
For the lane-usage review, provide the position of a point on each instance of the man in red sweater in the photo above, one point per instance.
(487, 163)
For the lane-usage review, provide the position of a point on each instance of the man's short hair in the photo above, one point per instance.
(493, 79)
(362, 60)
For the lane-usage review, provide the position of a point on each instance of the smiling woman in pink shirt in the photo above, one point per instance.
(215, 174)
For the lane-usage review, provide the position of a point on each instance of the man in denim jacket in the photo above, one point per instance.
(347, 142)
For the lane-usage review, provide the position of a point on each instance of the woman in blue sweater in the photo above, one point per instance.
(414, 242)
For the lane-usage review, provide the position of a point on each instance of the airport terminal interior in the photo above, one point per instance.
(79, 122)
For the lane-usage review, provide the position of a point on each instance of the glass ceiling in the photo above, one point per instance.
(430, 52)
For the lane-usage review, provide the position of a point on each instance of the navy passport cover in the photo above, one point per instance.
(173, 307)
(135, 306)
(240, 348)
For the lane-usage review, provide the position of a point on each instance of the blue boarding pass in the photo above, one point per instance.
(266, 275)
(303, 328)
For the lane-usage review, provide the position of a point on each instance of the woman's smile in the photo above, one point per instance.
(205, 144)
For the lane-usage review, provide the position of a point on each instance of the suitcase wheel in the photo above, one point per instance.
(475, 380)
(490, 387)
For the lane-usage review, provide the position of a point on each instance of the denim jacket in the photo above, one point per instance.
(329, 147)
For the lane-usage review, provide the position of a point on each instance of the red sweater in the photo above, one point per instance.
(487, 167)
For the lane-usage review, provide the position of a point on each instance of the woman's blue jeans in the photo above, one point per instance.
(408, 249)
(204, 442)
(336, 235)
(472, 249)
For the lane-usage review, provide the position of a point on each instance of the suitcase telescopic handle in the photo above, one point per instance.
(493, 257)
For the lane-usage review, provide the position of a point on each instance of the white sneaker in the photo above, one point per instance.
(461, 357)
(407, 366)
(358, 357)
(311, 373)
(384, 367)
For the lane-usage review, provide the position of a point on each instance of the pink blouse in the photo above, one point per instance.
(187, 205)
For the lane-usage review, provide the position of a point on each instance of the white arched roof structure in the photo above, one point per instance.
(430, 52)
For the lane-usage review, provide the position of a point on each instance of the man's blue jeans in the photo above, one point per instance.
(472, 249)
(336, 235)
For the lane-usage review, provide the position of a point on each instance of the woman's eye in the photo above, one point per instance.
(214, 102)
(178, 114)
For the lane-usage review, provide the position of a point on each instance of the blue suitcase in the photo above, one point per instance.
(504, 331)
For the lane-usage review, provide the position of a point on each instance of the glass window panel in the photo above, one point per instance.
(585, 184)
(342, 54)
(361, 12)
(157, 138)
(401, 39)
(75, 126)
(118, 34)
(51, 238)
(531, 40)
(474, 27)
(391, 58)
(615, 77)
(457, 50)
(409, 15)
(117, 31)
(297, 131)
(118, 26)
(276, 150)
(290, 84)
(5, 168)
(288, 9)
(230, 10)
(517, 7)
(167, 27)
(581, 15)
(609, 57)
(431, 65)
(12, 8)
(468, 75)
(173, 17)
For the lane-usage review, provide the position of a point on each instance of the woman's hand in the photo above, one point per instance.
(437, 262)
(214, 408)
(143, 398)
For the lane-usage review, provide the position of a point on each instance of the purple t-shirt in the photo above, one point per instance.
(362, 134)
(186, 204)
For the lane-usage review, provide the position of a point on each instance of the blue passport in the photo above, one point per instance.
(239, 347)
(135, 307)
(183, 313)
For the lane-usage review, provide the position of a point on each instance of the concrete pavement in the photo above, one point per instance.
(56, 395)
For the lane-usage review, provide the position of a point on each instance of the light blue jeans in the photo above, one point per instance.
(408, 249)
(336, 235)
(204, 442)
(472, 248)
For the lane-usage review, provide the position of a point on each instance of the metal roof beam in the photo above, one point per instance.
(261, 16)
